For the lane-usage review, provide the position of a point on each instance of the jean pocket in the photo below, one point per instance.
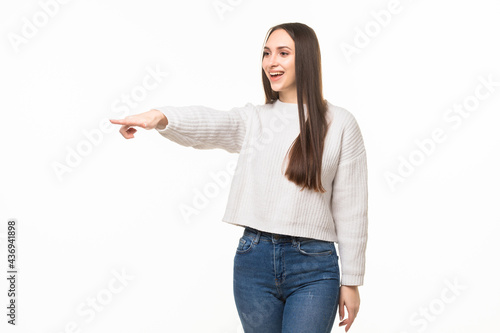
(314, 247)
(245, 244)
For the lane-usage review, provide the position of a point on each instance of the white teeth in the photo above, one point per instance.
(276, 73)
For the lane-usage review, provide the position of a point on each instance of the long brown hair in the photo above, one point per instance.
(306, 151)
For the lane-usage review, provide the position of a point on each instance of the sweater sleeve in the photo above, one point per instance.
(350, 205)
(202, 127)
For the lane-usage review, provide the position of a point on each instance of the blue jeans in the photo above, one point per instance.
(285, 284)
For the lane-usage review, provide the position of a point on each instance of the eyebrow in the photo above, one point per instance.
(279, 47)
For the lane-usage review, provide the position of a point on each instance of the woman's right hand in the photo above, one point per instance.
(153, 119)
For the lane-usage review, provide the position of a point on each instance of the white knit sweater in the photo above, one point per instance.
(261, 196)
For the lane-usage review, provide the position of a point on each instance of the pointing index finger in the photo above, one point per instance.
(118, 121)
(128, 122)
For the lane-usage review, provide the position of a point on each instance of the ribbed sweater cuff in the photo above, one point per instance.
(173, 119)
(352, 280)
(178, 126)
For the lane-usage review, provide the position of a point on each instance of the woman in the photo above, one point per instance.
(300, 186)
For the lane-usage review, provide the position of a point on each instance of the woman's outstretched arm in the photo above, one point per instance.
(199, 127)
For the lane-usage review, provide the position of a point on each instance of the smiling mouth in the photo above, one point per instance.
(274, 76)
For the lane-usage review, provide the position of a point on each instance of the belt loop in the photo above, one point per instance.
(257, 237)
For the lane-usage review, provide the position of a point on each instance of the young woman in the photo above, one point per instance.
(299, 187)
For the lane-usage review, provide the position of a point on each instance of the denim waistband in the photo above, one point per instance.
(270, 236)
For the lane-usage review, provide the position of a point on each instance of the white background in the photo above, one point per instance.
(118, 208)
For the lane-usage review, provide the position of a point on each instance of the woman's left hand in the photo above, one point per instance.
(349, 297)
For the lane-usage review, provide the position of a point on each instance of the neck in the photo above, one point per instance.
(288, 98)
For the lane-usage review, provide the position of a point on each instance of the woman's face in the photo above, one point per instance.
(279, 57)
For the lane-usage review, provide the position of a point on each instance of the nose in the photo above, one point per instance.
(272, 62)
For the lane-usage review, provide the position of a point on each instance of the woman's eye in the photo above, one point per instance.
(284, 53)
